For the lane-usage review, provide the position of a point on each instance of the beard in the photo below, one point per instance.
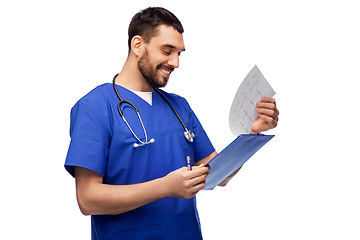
(150, 74)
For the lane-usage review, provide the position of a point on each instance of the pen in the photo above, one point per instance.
(188, 163)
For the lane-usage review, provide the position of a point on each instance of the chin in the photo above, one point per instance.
(161, 82)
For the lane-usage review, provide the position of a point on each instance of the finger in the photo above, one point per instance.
(264, 105)
(270, 113)
(198, 170)
(268, 100)
(192, 194)
(273, 122)
(196, 188)
(198, 180)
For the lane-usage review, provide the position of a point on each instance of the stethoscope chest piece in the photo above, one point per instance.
(189, 135)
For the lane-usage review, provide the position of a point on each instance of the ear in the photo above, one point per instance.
(137, 44)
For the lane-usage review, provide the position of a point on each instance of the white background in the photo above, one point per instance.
(304, 184)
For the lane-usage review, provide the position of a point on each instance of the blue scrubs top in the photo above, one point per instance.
(101, 142)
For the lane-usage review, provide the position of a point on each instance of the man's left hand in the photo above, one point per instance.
(268, 116)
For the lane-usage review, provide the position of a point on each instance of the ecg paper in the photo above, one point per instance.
(251, 90)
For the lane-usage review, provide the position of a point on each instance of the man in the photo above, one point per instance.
(135, 188)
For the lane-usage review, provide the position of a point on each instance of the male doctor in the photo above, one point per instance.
(144, 192)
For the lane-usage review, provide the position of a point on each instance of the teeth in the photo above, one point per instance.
(165, 71)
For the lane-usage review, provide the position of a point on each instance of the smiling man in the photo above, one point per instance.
(164, 48)
(132, 187)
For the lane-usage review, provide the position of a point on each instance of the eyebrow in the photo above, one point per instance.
(172, 46)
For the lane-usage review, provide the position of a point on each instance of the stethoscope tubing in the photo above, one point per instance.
(172, 108)
(189, 135)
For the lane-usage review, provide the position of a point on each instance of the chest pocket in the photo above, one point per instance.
(188, 148)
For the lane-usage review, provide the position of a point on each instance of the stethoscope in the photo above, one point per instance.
(189, 135)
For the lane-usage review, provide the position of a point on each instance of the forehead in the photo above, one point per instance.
(168, 36)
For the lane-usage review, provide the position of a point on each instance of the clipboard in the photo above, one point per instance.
(233, 157)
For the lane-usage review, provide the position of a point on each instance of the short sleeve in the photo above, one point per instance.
(90, 133)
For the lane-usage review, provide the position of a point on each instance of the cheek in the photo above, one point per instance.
(158, 60)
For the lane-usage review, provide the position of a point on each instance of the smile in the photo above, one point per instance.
(167, 72)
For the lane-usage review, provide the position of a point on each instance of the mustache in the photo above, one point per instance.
(165, 66)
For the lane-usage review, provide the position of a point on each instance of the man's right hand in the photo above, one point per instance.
(182, 183)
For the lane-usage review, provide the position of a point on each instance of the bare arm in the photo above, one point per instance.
(96, 198)
(207, 159)
(228, 178)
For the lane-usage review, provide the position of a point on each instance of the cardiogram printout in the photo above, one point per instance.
(242, 112)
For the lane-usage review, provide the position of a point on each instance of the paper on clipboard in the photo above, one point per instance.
(241, 119)
(233, 157)
(242, 112)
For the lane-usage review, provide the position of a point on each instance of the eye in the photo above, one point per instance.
(167, 53)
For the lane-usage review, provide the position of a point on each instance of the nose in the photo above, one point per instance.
(174, 61)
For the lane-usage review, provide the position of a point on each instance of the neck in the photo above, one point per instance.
(131, 78)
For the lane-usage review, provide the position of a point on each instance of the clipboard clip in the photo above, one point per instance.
(256, 134)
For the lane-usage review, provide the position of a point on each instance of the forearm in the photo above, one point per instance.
(206, 159)
(96, 198)
(228, 178)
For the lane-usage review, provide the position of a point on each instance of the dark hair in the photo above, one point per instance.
(146, 22)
